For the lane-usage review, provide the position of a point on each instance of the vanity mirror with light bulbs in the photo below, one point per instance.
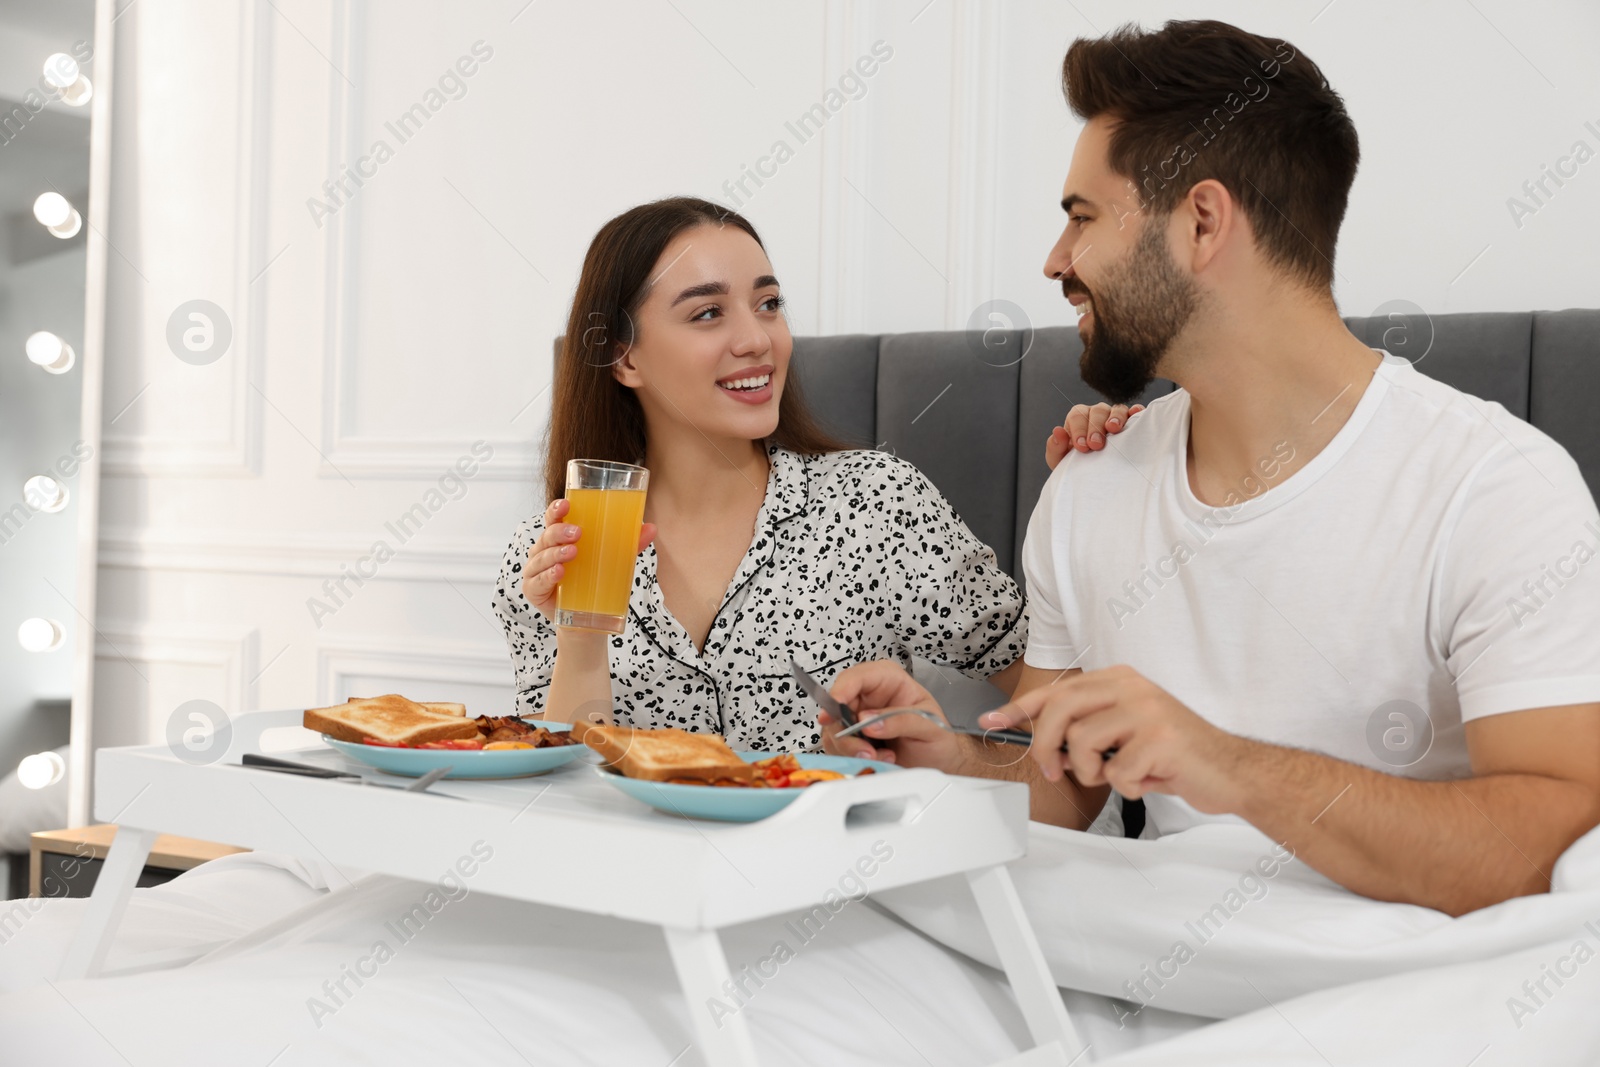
(55, 80)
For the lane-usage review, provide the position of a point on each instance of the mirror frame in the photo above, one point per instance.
(81, 741)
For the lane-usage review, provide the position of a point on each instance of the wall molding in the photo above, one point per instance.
(973, 177)
(347, 455)
(846, 144)
(972, 167)
(408, 458)
(239, 456)
(440, 560)
(460, 662)
(234, 652)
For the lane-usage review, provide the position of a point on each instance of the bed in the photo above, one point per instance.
(254, 954)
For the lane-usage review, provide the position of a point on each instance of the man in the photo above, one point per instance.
(1314, 589)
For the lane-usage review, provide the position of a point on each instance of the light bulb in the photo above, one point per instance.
(41, 769)
(43, 348)
(50, 352)
(58, 216)
(44, 493)
(61, 70)
(40, 635)
(51, 209)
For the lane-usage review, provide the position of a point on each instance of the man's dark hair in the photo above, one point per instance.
(1205, 100)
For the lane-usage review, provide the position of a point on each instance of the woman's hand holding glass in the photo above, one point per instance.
(557, 546)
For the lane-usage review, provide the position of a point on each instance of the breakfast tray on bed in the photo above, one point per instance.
(567, 839)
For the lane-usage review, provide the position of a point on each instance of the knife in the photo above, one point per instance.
(306, 770)
(841, 712)
(271, 763)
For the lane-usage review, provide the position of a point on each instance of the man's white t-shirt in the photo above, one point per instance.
(1433, 564)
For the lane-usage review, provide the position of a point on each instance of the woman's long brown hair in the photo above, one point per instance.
(594, 416)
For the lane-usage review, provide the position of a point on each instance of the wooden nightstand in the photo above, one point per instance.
(66, 863)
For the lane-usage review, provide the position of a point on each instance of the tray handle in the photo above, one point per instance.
(890, 798)
(246, 729)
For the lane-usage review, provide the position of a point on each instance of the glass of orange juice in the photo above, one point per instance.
(606, 503)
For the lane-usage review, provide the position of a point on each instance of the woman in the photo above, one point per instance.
(764, 538)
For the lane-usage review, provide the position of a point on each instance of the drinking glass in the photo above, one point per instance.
(606, 503)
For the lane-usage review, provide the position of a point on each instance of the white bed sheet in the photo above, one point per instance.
(1109, 911)
(1302, 970)
(167, 925)
(492, 981)
(1306, 973)
(1451, 1016)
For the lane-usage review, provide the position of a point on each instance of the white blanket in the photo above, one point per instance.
(204, 909)
(489, 981)
(1307, 971)
(1302, 971)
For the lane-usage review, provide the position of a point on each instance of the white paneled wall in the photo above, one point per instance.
(295, 521)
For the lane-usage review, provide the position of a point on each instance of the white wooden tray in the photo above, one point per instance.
(567, 839)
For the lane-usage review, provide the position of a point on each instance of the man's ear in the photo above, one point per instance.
(623, 368)
(1211, 218)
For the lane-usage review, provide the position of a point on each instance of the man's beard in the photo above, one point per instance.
(1139, 308)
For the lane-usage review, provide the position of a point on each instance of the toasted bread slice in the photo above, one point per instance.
(392, 719)
(660, 755)
(444, 708)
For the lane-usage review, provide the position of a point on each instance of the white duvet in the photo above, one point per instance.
(1305, 972)
(249, 960)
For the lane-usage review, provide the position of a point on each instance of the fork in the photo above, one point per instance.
(853, 725)
(1005, 736)
(1009, 737)
(421, 784)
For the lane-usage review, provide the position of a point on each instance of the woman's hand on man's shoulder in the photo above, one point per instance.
(1086, 428)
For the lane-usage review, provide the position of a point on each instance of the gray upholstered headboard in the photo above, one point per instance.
(975, 419)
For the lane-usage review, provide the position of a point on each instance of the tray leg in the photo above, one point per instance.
(1024, 962)
(129, 849)
(702, 969)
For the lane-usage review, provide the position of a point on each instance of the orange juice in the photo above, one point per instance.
(599, 579)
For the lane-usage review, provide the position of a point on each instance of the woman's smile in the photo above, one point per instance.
(749, 386)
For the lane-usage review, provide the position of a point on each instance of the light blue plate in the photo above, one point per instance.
(730, 804)
(467, 763)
